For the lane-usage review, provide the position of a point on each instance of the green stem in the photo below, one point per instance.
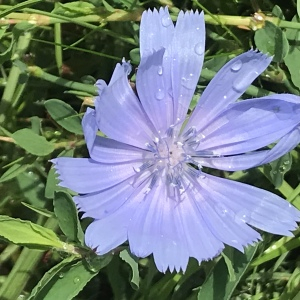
(58, 42)
(10, 97)
(39, 73)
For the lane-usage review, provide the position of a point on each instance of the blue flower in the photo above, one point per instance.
(145, 183)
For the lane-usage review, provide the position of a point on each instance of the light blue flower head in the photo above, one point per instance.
(144, 182)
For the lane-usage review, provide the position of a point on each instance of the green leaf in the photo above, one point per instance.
(218, 285)
(107, 6)
(28, 234)
(41, 211)
(298, 8)
(276, 170)
(48, 276)
(64, 115)
(277, 248)
(292, 60)
(64, 282)
(271, 39)
(74, 9)
(32, 143)
(13, 172)
(66, 213)
(135, 279)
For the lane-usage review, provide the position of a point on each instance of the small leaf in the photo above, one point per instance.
(277, 248)
(276, 170)
(107, 6)
(32, 143)
(292, 60)
(64, 115)
(13, 172)
(65, 282)
(135, 279)
(66, 212)
(41, 211)
(48, 276)
(28, 234)
(218, 284)
(271, 39)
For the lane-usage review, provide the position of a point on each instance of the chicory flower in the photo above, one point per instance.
(145, 181)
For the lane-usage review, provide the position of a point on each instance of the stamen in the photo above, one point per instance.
(144, 166)
(190, 133)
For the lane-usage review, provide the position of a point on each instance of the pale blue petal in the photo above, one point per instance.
(119, 113)
(251, 205)
(84, 175)
(154, 229)
(234, 163)
(245, 128)
(227, 86)
(185, 57)
(285, 145)
(152, 90)
(104, 149)
(156, 30)
(106, 234)
(219, 219)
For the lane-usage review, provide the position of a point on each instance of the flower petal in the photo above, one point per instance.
(156, 30)
(154, 229)
(219, 219)
(186, 54)
(227, 86)
(84, 175)
(167, 77)
(119, 113)
(254, 206)
(172, 230)
(106, 234)
(104, 149)
(285, 145)
(250, 125)
(233, 163)
(151, 79)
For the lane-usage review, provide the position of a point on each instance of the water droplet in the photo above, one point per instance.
(76, 280)
(222, 210)
(240, 84)
(199, 48)
(236, 66)
(159, 94)
(282, 169)
(287, 162)
(187, 82)
(274, 172)
(61, 275)
(166, 20)
(243, 216)
(160, 70)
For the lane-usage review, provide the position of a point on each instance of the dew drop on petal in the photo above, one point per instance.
(199, 48)
(166, 21)
(236, 66)
(159, 94)
(240, 85)
(242, 216)
(160, 70)
(187, 82)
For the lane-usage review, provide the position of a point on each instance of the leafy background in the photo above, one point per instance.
(51, 55)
